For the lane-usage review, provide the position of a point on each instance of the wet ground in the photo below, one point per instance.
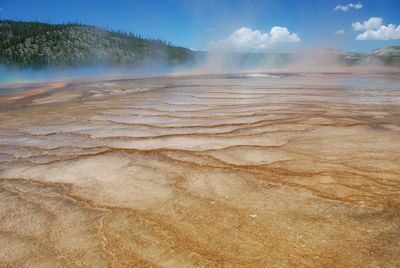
(260, 170)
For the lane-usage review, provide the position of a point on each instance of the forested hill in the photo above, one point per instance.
(34, 44)
(39, 45)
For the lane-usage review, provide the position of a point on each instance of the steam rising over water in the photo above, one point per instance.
(13, 75)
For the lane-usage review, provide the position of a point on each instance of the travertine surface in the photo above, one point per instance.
(297, 170)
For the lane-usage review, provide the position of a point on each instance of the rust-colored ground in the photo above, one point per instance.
(232, 170)
(34, 92)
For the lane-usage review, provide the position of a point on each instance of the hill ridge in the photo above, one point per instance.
(37, 44)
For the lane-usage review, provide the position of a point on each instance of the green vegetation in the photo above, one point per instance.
(37, 45)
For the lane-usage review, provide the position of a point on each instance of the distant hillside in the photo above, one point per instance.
(388, 55)
(387, 51)
(38, 45)
(34, 44)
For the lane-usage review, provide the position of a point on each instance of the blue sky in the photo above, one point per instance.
(242, 25)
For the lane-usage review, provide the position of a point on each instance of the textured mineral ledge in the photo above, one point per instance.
(260, 170)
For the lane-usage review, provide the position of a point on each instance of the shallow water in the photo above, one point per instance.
(220, 170)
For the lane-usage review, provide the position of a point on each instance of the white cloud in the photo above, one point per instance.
(341, 31)
(347, 7)
(372, 23)
(374, 29)
(247, 39)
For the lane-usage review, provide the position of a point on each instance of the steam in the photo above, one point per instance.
(212, 62)
(13, 74)
(248, 50)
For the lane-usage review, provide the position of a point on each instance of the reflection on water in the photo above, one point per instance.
(13, 75)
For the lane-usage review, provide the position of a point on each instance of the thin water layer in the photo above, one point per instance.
(257, 170)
